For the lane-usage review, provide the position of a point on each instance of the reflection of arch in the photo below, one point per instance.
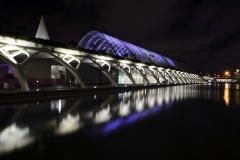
(106, 73)
(16, 115)
(59, 129)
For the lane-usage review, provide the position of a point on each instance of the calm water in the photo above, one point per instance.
(175, 122)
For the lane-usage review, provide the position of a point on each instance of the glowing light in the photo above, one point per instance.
(104, 58)
(151, 101)
(141, 69)
(126, 66)
(226, 96)
(13, 41)
(125, 61)
(68, 51)
(151, 69)
(124, 108)
(69, 58)
(7, 51)
(114, 46)
(58, 105)
(69, 124)
(139, 104)
(14, 137)
(103, 63)
(102, 115)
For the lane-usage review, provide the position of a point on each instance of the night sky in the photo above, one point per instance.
(205, 34)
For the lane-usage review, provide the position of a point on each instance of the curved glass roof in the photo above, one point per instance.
(102, 42)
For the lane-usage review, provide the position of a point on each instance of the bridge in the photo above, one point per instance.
(97, 58)
(220, 79)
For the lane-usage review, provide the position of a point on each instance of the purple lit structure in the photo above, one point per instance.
(104, 43)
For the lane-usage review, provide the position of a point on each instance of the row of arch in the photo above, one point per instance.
(8, 53)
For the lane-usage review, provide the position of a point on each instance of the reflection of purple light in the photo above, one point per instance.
(169, 103)
(112, 125)
(131, 118)
(145, 114)
(120, 122)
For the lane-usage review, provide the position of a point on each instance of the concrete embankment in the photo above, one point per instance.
(18, 97)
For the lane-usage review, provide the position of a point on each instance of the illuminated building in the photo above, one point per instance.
(98, 59)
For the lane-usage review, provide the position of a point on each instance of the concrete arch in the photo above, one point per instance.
(171, 78)
(126, 73)
(74, 71)
(185, 75)
(106, 73)
(153, 75)
(160, 75)
(5, 51)
(142, 74)
(165, 74)
(181, 77)
(18, 68)
(175, 76)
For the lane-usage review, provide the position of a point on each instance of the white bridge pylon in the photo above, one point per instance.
(129, 72)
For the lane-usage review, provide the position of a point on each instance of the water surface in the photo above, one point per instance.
(173, 122)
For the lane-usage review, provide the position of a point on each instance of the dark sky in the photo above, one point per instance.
(203, 33)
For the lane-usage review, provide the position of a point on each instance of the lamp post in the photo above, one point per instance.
(227, 74)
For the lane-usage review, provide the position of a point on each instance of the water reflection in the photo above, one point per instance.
(14, 137)
(68, 124)
(102, 113)
(58, 105)
(226, 96)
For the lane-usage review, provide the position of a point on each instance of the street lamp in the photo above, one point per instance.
(226, 74)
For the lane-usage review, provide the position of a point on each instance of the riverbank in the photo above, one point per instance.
(17, 96)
